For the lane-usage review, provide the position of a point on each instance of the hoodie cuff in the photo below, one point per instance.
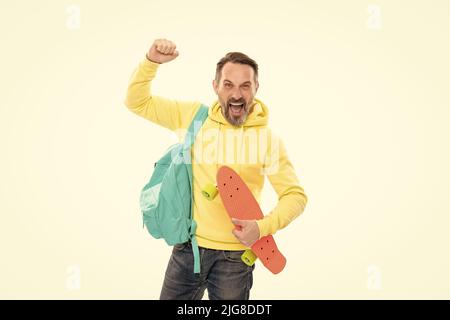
(263, 226)
(149, 65)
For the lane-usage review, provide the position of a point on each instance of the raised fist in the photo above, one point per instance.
(162, 51)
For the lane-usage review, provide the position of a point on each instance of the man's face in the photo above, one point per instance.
(236, 89)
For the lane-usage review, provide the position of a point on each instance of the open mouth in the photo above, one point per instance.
(236, 109)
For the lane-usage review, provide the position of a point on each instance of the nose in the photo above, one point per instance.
(236, 94)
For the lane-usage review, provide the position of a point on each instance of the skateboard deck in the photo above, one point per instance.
(240, 203)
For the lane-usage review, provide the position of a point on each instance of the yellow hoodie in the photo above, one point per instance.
(252, 150)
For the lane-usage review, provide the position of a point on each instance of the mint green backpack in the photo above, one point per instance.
(167, 199)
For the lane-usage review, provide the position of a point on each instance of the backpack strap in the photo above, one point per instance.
(195, 126)
(194, 244)
(189, 139)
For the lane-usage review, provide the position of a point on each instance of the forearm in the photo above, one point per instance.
(289, 207)
(139, 96)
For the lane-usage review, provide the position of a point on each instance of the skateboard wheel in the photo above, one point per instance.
(209, 191)
(248, 257)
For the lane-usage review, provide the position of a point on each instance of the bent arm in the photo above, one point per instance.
(291, 196)
(171, 114)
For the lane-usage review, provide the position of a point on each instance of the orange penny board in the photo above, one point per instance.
(240, 203)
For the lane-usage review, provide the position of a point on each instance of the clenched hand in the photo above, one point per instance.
(246, 231)
(162, 51)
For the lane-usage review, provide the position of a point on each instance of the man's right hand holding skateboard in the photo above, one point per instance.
(246, 231)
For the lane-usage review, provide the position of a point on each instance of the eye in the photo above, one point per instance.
(228, 85)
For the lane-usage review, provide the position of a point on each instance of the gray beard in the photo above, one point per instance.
(235, 121)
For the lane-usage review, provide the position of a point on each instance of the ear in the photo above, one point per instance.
(215, 86)
(257, 86)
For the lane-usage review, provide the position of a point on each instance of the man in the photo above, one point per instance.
(234, 134)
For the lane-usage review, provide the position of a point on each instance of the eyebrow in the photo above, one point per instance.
(246, 82)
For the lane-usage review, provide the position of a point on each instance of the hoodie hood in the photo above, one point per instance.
(258, 117)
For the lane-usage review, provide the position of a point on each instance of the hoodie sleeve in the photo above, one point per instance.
(291, 196)
(171, 114)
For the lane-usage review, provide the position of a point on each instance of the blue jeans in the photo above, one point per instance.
(222, 272)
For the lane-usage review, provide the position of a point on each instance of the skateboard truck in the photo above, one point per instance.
(210, 191)
(249, 257)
